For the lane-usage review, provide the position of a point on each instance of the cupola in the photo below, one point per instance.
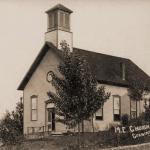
(58, 26)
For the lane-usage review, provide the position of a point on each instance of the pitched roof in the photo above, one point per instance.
(106, 68)
(60, 7)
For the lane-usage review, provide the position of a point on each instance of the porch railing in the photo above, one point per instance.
(40, 129)
(38, 132)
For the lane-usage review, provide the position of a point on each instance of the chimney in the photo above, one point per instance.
(123, 71)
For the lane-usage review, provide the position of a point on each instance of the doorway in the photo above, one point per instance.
(51, 119)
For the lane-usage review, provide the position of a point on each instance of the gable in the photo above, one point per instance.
(39, 77)
(47, 46)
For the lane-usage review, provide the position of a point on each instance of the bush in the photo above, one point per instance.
(147, 114)
(125, 120)
(144, 118)
(11, 126)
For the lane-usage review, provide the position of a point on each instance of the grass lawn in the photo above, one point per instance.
(34, 145)
(51, 143)
(90, 141)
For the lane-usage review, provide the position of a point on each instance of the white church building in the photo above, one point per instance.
(110, 71)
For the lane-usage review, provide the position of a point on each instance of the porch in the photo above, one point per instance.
(41, 132)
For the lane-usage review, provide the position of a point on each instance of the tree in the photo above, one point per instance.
(138, 89)
(11, 126)
(18, 117)
(77, 95)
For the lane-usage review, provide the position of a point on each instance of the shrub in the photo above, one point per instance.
(144, 118)
(140, 120)
(11, 126)
(125, 120)
(147, 115)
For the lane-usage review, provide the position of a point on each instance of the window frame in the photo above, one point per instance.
(64, 20)
(97, 117)
(35, 109)
(131, 109)
(145, 101)
(114, 96)
(52, 20)
(61, 19)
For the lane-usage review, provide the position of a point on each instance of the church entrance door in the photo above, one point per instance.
(51, 119)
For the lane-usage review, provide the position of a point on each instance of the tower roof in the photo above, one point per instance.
(59, 7)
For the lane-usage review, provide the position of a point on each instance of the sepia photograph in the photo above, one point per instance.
(75, 75)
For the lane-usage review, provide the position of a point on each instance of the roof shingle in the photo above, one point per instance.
(59, 7)
(107, 68)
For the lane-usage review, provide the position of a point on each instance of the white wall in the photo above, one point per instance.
(108, 107)
(39, 86)
(57, 36)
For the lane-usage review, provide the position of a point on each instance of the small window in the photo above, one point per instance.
(147, 103)
(34, 108)
(133, 109)
(116, 108)
(99, 114)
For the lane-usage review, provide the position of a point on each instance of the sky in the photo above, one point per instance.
(114, 27)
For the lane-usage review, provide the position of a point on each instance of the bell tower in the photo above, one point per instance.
(58, 26)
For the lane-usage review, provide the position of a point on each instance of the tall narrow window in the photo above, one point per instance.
(52, 20)
(55, 19)
(116, 108)
(61, 19)
(64, 20)
(67, 20)
(99, 114)
(133, 108)
(33, 108)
